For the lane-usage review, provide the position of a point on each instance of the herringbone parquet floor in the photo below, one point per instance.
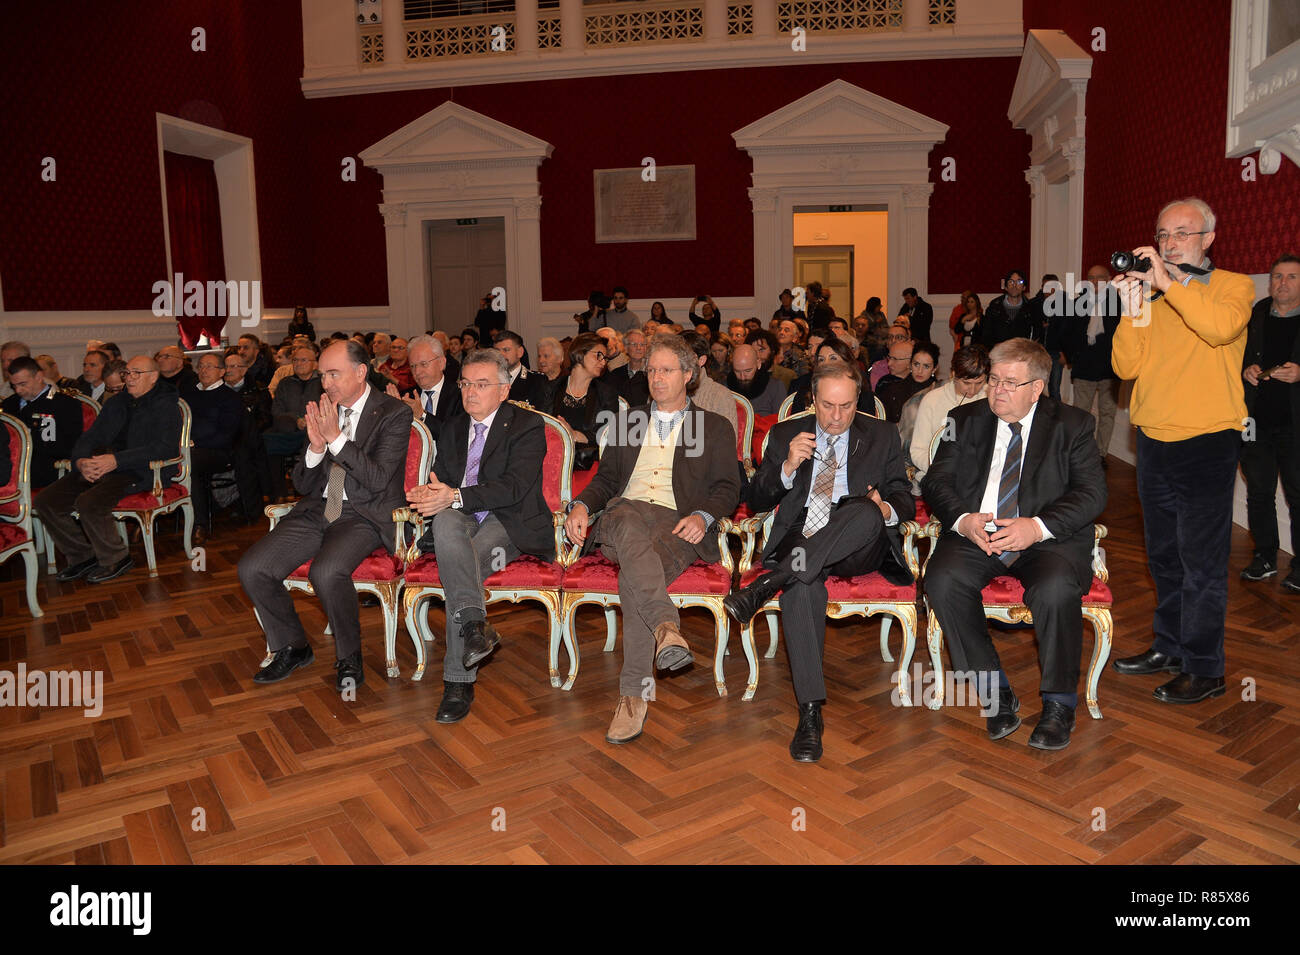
(190, 762)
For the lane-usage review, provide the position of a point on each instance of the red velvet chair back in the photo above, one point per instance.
(557, 468)
(419, 456)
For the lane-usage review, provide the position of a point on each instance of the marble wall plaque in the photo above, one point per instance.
(630, 209)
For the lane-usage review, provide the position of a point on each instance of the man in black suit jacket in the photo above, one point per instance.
(352, 477)
(668, 473)
(1029, 515)
(485, 497)
(54, 419)
(109, 461)
(436, 397)
(839, 481)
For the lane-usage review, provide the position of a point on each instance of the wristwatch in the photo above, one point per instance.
(455, 498)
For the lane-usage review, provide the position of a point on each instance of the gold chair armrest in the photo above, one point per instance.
(1099, 569)
(274, 512)
(63, 466)
(157, 468)
(402, 516)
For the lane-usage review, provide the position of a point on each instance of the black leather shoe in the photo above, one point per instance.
(283, 663)
(349, 668)
(480, 640)
(1054, 726)
(806, 747)
(77, 571)
(1005, 721)
(743, 604)
(1153, 661)
(1189, 688)
(456, 699)
(101, 574)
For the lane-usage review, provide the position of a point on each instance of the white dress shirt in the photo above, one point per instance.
(841, 489)
(346, 433)
(1002, 438)
(436, 392)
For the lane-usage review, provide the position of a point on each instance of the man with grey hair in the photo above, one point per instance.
(380, 349)
(668, 473)
(485, 498)
(8, 352)
(1183, 345)
(630, 378)
(434, 399)
(617, 357)
(1017, 491)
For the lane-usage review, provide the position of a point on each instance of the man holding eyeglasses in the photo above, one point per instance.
(109, 461)
(352, 477)
(1017, 491)
(1184, 351)
(1009, 315)
(485, 498)
(838, 481)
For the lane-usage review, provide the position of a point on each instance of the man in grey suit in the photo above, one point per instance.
(667, 474)
(351, 476)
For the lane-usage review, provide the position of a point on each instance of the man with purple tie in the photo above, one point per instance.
(485, 497)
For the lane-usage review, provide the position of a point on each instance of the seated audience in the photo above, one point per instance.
(616, 357)
(252, 472)
(486, 501)
(703, 391)
(924, 361)
(299, 324)
(218, 417)
(898, 364)
(397, 368)
(8, 352)
(629, 380)
(173, 372)
(765, 347)
(91, 382)
(50, 371)
(381, 348)
(288, 431)
(114, 379)
(260, 367)
(970, 375)
(719, 364)
(582, 399)
(750, 381)
(436, 398)
(109, 461)
(550, 359)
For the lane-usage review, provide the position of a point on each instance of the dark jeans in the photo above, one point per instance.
(1186, 492)
(280, 446)
(96, 535)
(1275, 451)
(204, 463)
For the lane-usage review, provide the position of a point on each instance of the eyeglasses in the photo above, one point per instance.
(479, 386)
(425, 364)
(133, 373)
(599, 356)
(1179, 236)
(1004, 384)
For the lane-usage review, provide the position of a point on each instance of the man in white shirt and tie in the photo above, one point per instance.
(434, 399)
(352, 477)
(1017, 491)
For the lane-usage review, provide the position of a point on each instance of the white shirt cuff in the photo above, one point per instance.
(336, 445)
(787, 480)
(892, 519)
(311, 458)
(957, 523)
(1047, 535)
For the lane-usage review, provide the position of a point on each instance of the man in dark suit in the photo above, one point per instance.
(839, 481)
(667, 474)
(629, 379)
(54, 419)
(172, 371)
(525, 385)
(486, 500)
(436, 398)
(1017, 492)
(109, 461)
(352, 477)
(920, 314)
(252, 470)
(218, 419)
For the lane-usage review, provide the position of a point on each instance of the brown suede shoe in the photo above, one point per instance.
(672, 652)
(628, 721)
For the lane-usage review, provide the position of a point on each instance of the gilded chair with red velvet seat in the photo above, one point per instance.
(381, 572)
(89, 412)
(525, 578)
(1004, 600)
(145, 507)
(594, 580)
(16, 533)
(866, 595)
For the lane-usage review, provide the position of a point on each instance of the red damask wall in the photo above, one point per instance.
(80, 82)
(1157, 114)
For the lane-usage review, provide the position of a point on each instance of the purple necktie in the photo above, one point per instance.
(472, 463)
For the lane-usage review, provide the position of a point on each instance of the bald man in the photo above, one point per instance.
(172, 372)
(109, 461)
(747, 379)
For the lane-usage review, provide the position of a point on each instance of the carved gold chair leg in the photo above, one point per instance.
(907, 618)
(771, 635)
(1103, 627)
(934, 637)
(416, 606)
(885, 622)
(611, 630)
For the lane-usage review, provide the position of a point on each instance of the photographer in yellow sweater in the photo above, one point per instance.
(1181, 341)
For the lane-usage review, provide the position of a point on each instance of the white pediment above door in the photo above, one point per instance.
(454, 134)
(840, 115)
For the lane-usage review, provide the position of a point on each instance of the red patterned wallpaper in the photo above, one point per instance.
(86, 95)
(1139, 157)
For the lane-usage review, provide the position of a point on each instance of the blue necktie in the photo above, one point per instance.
(428, 402)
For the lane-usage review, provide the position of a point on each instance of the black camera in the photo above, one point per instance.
(1128, 262)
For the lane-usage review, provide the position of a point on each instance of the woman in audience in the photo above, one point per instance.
(300, 325)
(582, 401)
(659, 314)
(925, 361)
(719, 363)
(876, 340)
(965, 321)
(832, 349)
(966, 385)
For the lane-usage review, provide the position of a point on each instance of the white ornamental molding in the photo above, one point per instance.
(916, 195)
(394, 213)
(1286, 143)
(529, 208)
(763, 200)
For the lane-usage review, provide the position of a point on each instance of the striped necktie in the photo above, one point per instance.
(1009, 486)
(334, 486)
(819, 506)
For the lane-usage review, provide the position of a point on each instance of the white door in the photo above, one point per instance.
(467, 259)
